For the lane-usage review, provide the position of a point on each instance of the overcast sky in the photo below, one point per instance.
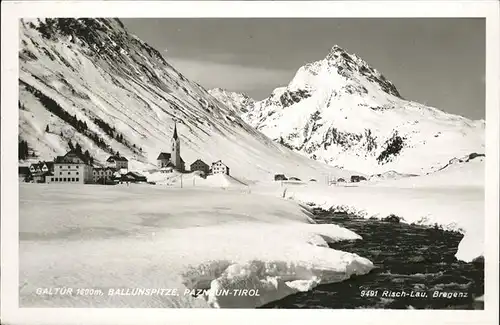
(435, 61)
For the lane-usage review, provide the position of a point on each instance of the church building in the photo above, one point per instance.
(173, 159)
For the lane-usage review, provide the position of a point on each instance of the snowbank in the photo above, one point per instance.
(452, 198)
(458, 175)
(143, 236)
(195, 180)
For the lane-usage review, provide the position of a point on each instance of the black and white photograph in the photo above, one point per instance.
(251, 162)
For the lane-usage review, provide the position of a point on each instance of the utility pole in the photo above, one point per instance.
(181, 180)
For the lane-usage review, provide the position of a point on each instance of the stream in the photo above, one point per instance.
(415, 268)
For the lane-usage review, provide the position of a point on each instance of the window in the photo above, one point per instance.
(77, 166)
(60, 173)
(64, 179)
(72, 179)
(69, 173)
(77, 173)
(77, 179)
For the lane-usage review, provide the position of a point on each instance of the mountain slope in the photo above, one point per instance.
(240, 103)
(90, 82)
(341, 111)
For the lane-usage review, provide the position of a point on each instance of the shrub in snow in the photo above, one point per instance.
(475, 155)
(280, 177)
(392, 218)
(355, 178)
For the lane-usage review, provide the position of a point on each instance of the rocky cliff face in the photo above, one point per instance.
(240, 103)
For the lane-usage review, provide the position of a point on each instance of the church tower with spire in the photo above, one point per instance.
(176, 150)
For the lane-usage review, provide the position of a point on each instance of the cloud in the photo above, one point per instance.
(233, 77)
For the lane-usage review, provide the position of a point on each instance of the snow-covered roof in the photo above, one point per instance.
(71, 157)
(199, 160)
(219, 162)
(116, 158)
(163, 155)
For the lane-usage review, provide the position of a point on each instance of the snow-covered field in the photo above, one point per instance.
(156, 237)
(213, 235)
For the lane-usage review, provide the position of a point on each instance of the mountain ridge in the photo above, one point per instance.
(115, 93)
(341, 111)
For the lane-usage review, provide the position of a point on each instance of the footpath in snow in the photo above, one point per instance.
(119, 240)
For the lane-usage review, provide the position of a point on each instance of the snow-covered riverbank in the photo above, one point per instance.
(452, 198)
(143, 236)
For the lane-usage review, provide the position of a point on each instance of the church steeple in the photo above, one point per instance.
(176, 150)
(175, 131)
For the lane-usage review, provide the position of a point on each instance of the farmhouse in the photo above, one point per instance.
(219, 167)
(70, 168)
(200, 165)
(357, 178)
(39, 171)
(103, 175)
(117, 162)
(131, 177)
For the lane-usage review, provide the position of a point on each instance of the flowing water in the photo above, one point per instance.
(415, 268)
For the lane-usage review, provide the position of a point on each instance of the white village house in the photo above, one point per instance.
(219, 167)
(71, 168)
(117, 162)
(103, 175)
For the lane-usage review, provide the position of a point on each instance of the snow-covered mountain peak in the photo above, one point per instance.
(338, 69)
(342, 111)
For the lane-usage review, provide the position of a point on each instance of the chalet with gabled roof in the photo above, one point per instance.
(40, 170)
(103, 175)
(219, 167)
(200, 165)
(117, 162)
(130, 177)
